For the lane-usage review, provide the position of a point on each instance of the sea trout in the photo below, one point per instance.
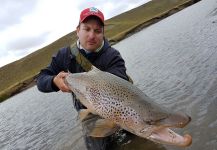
(121, 104)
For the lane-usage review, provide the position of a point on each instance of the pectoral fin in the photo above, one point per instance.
(103, 128)
(83, 113)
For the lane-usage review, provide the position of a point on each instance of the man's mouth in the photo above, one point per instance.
(91, 42)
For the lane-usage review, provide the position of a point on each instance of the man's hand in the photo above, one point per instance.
(59, 81)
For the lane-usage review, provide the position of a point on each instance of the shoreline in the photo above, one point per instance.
(152, 21)
(31, 81)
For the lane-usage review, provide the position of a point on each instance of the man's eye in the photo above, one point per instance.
(98, 31)
(86, 29)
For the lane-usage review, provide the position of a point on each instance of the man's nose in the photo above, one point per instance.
(92, 34)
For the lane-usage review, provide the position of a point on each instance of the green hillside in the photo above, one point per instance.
(20, 74)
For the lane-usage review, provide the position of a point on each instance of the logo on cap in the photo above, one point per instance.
(93, 9)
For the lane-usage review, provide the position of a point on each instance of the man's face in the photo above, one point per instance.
(90, 34)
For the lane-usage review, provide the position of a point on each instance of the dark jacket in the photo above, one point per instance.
(107, 59)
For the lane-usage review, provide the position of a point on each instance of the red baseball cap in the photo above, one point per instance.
(92, 11)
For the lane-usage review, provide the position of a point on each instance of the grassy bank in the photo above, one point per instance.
(20, 74)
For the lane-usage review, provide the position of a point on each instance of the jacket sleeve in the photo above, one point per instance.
(116, 65)
(46, 76)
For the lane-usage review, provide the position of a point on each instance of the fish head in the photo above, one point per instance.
(160, 130)
(156, 126)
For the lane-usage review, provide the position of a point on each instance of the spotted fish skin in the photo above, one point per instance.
(121, 102)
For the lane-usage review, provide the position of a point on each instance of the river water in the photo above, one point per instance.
(173, 61)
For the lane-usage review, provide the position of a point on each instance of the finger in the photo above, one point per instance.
(62, 74)
(65, 88)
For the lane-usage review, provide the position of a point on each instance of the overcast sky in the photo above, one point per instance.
(27, 25)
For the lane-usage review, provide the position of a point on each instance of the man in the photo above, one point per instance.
(93, 46)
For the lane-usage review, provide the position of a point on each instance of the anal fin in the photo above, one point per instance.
(103, 128)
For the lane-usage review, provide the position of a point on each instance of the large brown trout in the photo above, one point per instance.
(121, 104)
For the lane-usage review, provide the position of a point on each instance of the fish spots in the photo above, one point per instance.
(120, 113)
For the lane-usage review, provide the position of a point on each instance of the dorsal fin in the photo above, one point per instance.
(94, 69)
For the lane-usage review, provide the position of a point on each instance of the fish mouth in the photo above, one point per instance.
(162, 133)
(168, 136)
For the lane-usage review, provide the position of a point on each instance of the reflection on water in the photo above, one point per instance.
(173, 61)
